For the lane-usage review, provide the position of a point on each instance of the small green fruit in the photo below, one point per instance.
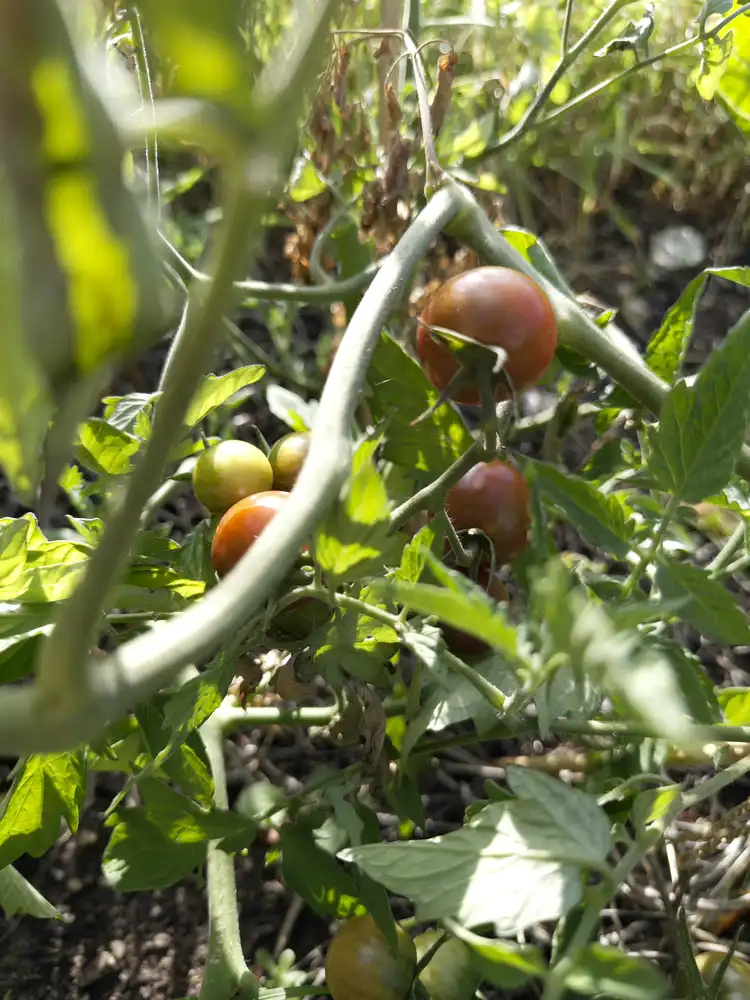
(451, 973)
(229, 472)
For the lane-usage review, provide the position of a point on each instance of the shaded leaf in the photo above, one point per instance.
(708, 606)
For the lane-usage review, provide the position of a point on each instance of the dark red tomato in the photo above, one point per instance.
(495, 306)
(493, 497)
(241, 526)
(463, 644)
(450, 974)
(287, 458)
(361, 966)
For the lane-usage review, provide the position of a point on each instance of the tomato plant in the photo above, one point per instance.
(361, 966)
(494, 498)
(494, 306)
(240, 527)
(451, 973)
(287, 458)
(228, 472)
(462, 643)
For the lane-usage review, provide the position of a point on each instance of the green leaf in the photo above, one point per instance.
(514, 864)
(464, 606)
(290, 408)
(666, 349)
(414, 554)
(652, 810)
(185, 822)
(356, 645)
(600, 971)
(354, 534)
(316, 876)
(504, 964)
(733, 84)
(577, 631)
(199, 698)
(50, 787)
(709, 606)
(400, 394)
(702, 427)
(104, 449)
(131, 413)
(305, 182)
(215, 390)
(602, 519)
(140, 856)
(17, 895)
(735, 704)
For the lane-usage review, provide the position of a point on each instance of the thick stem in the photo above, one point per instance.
(138, 668)
(227, 974)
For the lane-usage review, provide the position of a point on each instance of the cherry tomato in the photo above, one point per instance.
(241, 526)
(735, 984)
(495, 306)
(450, 974)
(287, 458)
(493, 497)
(228, 472)
(361, 966)
(463, 644)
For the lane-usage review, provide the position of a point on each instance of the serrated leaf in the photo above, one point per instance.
(601, 518)
(17, 895)
(702, 427)
(709, 606)
(139, 856)
(735, 704)
(104, 448)
(185, 822)
(401, 392)
(667, 347)
(131, 413)
(290, 408)
(199, 698)
(50, 788)
(215, 390)
(513, 865)
(316, 876)
(354, 534)
(305, 182)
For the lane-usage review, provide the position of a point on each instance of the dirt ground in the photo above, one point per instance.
(152, 946)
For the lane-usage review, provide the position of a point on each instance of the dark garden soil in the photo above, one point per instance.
(153, 945)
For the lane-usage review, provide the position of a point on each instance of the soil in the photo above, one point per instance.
(152, 946)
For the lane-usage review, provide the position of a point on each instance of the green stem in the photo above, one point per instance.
(649, 554)
(227, 975)
(341, 601)
(432, 495)
(491, 694)
(565, 37)
(722, 559)
(318, 715)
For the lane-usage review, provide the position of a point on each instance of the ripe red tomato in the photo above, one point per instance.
(450, 974)
(228, 472)
(463, 644)
(241, 526)
(493, 497)
(287, 458)
(361, 966)
(495, 306)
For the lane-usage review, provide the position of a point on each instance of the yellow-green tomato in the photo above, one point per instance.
(287, 458)
(361, 966)
(735, 984)
(450, 974)
(229, 472)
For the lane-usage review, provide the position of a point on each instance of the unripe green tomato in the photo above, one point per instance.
(361, 966)
(229, 472)
(287, 458)
(735, 984)
(450, 974)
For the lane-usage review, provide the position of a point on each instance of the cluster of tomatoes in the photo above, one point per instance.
(360, 964)
(248, 488)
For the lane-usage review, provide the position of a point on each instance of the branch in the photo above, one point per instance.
(30, 722)
(610, 349)
(227, 974)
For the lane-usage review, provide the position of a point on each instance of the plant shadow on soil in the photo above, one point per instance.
(153, 945)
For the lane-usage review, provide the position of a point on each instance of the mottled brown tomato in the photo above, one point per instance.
(495, 306)
(361, 966)
(495, 498)
(287, 458)
(451, 973)
(240, 527)
(228, 472)
(461, 643)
